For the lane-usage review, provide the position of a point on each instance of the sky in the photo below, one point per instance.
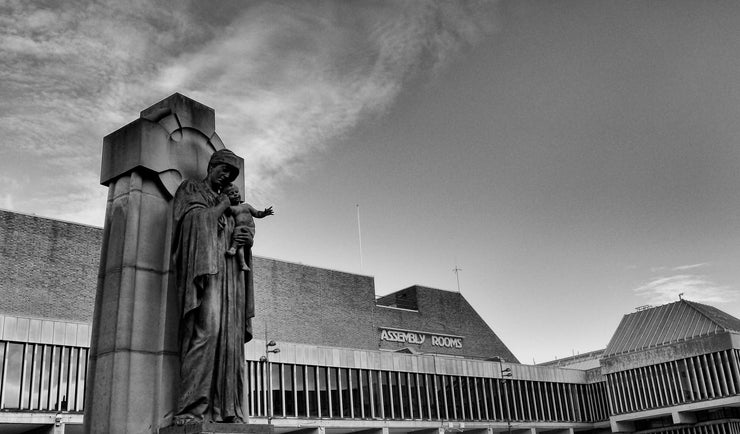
(574, 160)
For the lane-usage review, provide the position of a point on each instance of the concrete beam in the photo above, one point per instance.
(316, 430)
(622, 426)
(680, 417)
(557, 431)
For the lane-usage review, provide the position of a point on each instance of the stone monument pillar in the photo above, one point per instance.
(134, 364)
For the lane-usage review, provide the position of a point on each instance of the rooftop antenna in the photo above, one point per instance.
(359, 236)
(457, 271)
(680, 296)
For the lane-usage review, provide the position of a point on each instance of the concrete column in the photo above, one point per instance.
(134, 362)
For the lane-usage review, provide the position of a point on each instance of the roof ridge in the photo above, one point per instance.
(700, 307)
(700, 311)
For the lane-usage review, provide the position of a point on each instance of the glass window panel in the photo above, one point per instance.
(45, 376)
(395, 395)
(524, 399)
(254, 388)
(313, 404)
(345, 392)
(257, 388)
(496, 404)
(364, 393)
(506, 399)
(36, 376)
(355, 385)
(403, 395)
(64, 379)
(489, 398)
(300, 387)
(464, 396)
(414, 390)
(436, 406)
(516, 401)
(289, 395)
(249, 385)
(478, 398)
(323, 392)
(536, 401)
(54, 379)
(375, 385)
(275, 392)
(453, 397)
(424, 402)
(386, 379)
(27, 371)
(13, 376)
(334, 392)
(2, 365)
(444, 408)
(81, 377)
(72, 389)
(258, 399)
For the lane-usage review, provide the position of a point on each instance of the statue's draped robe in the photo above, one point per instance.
(217, 302)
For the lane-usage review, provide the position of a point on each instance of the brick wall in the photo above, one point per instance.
(312, 305)
(48, 268)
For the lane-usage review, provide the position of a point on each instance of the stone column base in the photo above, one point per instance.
(218, 428)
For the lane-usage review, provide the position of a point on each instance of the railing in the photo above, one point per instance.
(697, 378)
(42, 377)
(303, 391)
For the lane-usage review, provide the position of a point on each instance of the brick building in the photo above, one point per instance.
(417, 359)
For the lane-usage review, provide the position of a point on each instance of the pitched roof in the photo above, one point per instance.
(667, 324)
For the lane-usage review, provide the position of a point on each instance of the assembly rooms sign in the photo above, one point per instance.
(417, 337)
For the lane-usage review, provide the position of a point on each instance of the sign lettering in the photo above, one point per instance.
(399, 336)
(447, 342)
(413, 337)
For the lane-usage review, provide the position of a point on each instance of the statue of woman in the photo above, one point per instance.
(216, 296)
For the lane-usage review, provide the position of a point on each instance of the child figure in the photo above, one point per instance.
(243, 213)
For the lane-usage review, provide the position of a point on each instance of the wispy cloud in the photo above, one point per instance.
(695, 287)
(70, 75)
(690, 267)
(287, 79)
(679, 267)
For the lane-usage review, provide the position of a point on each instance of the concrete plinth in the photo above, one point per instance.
(218, 428)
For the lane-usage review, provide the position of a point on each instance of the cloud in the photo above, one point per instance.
(679, 268)
(694, 287)
(690, 267)
(70, 76)
(287, 79)
(290, 79)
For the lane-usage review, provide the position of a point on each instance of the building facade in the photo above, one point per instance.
(419, 359)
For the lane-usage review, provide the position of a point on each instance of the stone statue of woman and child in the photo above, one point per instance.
(214, 233)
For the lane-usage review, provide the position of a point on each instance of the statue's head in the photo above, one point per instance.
(223, 168)
(232, 191)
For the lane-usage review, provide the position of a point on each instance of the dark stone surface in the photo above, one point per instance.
(218, 428)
